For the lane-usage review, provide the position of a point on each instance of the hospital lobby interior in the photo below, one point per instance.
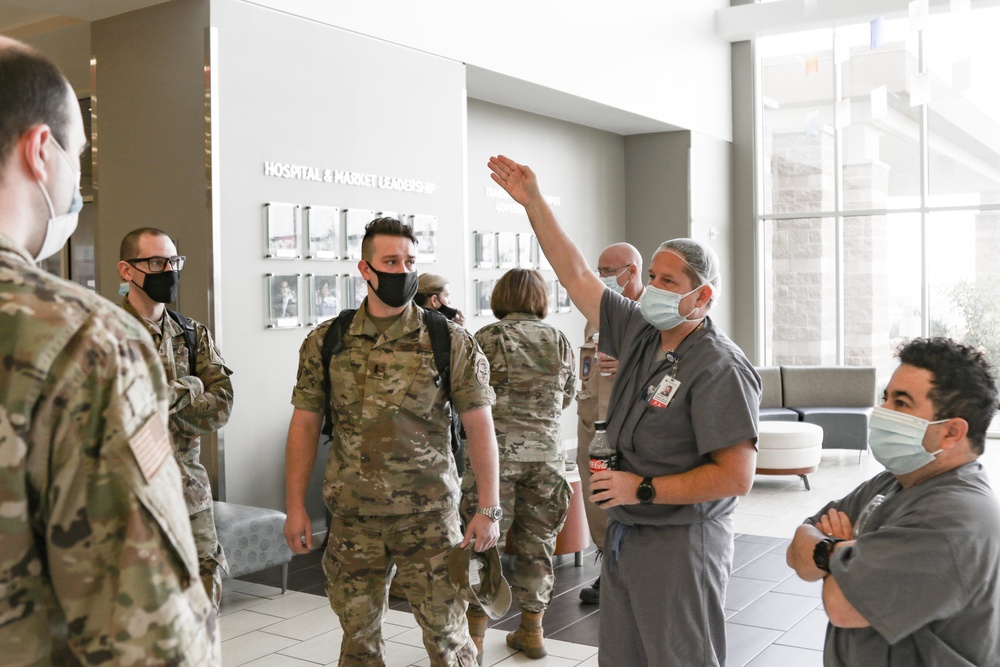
(841, 157)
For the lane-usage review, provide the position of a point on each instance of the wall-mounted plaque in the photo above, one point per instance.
(325, 296)
(282, 230)
(484, 291)
(355, 220)
(506, 250)
(323, 223)
(553, 296)
(282, 293)
(563, 304)
(486, 250)
(527, 251)
(389, 214)
(357, 290)
(425, 229)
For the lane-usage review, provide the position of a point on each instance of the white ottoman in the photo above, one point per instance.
(788, 448)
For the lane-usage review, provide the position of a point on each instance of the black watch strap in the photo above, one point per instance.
(822, 551)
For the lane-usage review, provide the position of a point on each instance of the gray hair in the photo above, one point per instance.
(702, 262)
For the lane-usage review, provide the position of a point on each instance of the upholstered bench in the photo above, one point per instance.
(253, 539)
(788, 448)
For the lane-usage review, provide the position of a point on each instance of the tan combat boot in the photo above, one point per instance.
(528, 637)
(477, 629)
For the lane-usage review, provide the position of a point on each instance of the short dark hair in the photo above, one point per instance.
(963, 382)
(384, 227)
(130, 244)
(520, 291)
(32, 91)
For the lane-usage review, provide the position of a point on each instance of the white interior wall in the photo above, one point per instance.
(583, 167)
(662, 60)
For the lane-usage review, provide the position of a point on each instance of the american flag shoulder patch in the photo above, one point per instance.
(151, 447)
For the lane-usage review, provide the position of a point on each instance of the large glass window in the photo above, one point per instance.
(879, 188)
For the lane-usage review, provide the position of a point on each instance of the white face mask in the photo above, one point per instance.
(659, 307)
(59, 227)
(897, 440)
(611, 282)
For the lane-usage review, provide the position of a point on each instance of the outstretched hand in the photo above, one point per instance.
(517, 179)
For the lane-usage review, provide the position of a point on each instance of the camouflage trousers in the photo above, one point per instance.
(535, 497)
(211, 558)
(359, 561)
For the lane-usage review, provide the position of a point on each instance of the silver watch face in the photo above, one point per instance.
(494, 513)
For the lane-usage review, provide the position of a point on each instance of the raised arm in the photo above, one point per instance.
(584, 287)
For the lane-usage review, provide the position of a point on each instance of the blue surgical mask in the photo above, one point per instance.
(897, 440)
(611, 282)
(659, 307)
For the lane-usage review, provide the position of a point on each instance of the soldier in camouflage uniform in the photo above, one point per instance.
(391, 482)
(620, 268)
(97, 563)
(200, 403)
(531, 370)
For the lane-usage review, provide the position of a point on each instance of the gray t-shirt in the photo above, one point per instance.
(923, 573)
(714, 407)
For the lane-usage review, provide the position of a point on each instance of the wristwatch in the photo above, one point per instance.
(494, 513)
(645, 493)
(822, 551)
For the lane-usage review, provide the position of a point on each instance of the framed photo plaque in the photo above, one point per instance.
(323, 223)
(282, 300)
(282, 225)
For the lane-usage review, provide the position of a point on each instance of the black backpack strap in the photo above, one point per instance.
(437, 328)
(333, 343)
(188, 330)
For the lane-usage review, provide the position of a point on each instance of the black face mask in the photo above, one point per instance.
(395, 289)
(161, 287)
(448, 311)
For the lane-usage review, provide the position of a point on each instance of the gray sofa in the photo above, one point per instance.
(838, 398)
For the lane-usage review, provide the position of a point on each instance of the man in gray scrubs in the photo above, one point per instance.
(910, 560)
(683, 415)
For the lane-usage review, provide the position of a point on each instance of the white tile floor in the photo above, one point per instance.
(263, 628)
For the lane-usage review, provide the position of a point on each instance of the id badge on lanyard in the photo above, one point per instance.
(664, 392)
(661, 395)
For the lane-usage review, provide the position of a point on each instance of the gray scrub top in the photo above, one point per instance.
(714, 407)
(925, 572)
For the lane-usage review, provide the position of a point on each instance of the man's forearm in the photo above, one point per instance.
(300, 455)
(483, 454)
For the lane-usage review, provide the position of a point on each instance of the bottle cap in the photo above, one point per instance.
(600, 425)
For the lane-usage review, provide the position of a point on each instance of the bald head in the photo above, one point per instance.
(625, 262)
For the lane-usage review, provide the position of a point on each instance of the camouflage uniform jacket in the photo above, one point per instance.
(531, 370)
(595, 389)
(97, 562)
(198, 404)
(391, 447)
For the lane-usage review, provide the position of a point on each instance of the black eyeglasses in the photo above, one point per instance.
(159, 264)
